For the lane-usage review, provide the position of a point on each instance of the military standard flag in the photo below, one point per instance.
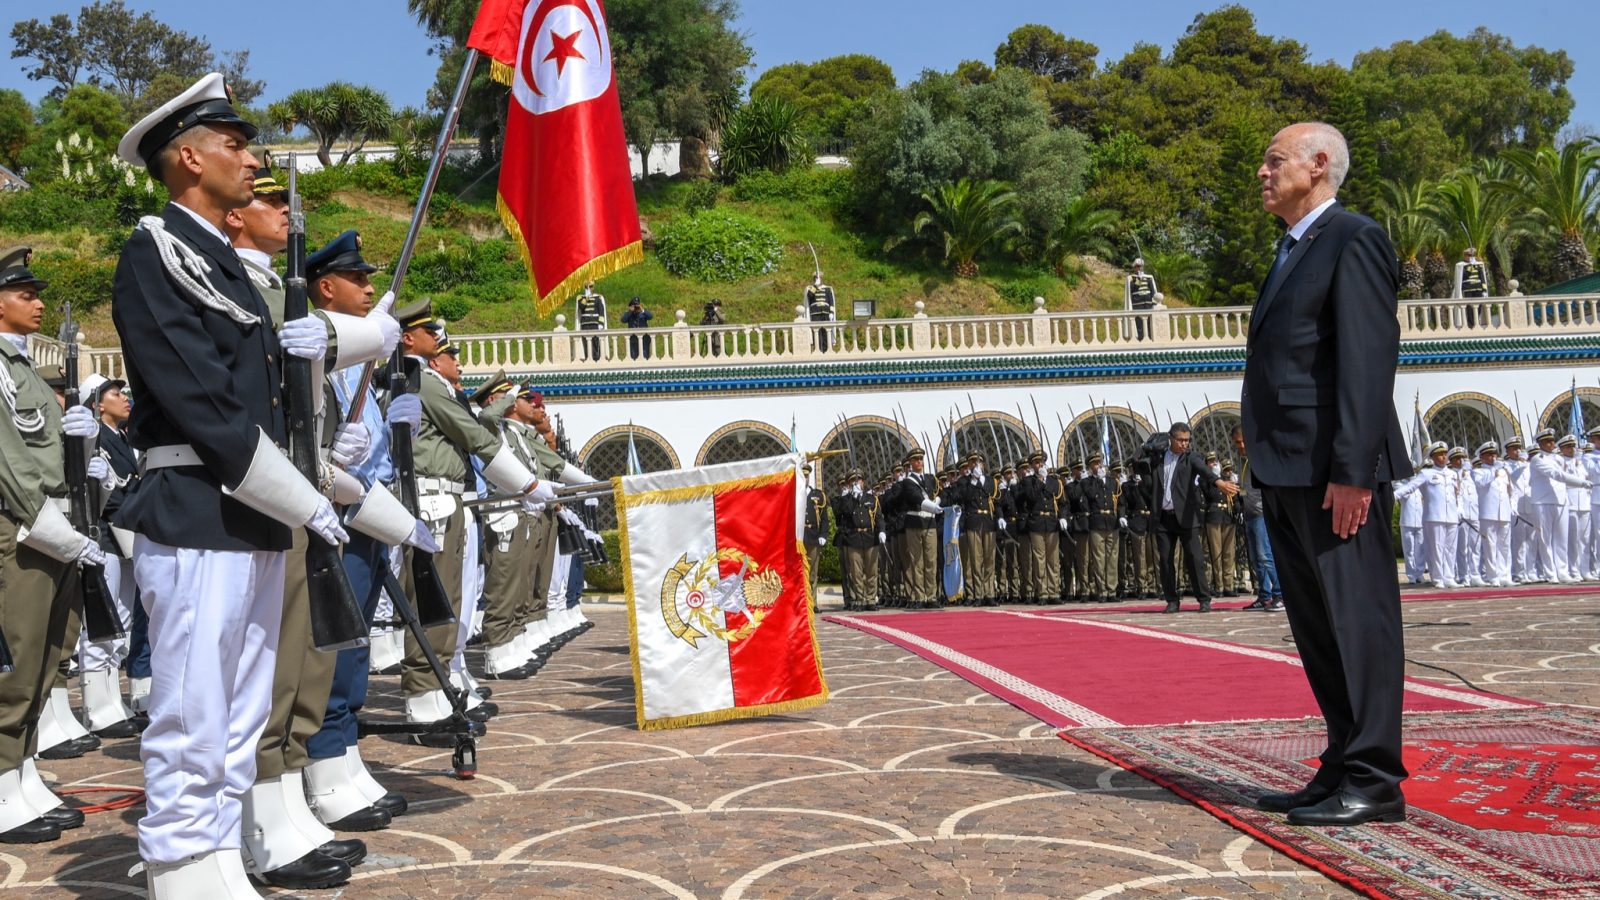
(719, 605)
(566, 189)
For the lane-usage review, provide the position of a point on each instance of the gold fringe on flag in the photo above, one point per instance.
(593, 270)
(501, 72)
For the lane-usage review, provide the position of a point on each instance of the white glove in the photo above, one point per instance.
(1063, 523)
(1001, 523)
(324, 523)
(592, 502)
(822, 542)
(1123, 521)
(91, 554)
(590, 536)
(883, 538)
(406, 409)
(351, 445)
(98, 468)
(422, 538)
(532, 508)
(542, 492)
(931, 506)
(305, 337)
(388, 326)
(79, 422)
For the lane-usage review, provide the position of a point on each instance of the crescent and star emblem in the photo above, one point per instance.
(563, 55)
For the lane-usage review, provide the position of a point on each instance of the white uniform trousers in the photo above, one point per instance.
(1496, 550)
(109, 654)
(556, 598)
(1593, 557)
(1415, 549)
(1469, 563)
(1578, 561)
(1524, 550)
(1552, 521)
(471, 589)
(1442, 539)
(214, 619)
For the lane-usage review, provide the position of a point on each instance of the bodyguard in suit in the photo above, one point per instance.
(219, 499)
(1174, 473)
(1324, 446)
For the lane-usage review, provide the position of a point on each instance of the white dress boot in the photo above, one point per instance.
(57, 725)
(370, 789)
(139, 694)
(272, 838)
(428, 706)
(506, 660)
(463, 683)
(102, 702)
(219, 875)
(35, 791)
(385, 651)
(15, 810)
(333, 791)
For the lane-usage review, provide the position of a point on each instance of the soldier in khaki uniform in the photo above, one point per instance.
(37, 544)
(1008, 580)
(914, 497)
(449, 434)
(1219, 534)
(858, 533)
(816, 530)
(1100, 497)
(977, 494)
(508, 576)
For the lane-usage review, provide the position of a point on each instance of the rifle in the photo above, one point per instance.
(336, 618)
(85, 585)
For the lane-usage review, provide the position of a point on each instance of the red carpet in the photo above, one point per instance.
(1407, 595)
(1503, 803)
(1073, 671)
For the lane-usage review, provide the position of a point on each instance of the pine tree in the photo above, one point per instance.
(1348, 113)
(1242, 233)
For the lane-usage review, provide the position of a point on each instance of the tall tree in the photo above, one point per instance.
(1472, 207)
(1048, 53)
(334, 113)
(1084, 230)
(17, 128)
(828, 94)
(1242, 233)
(1403, 209)
(87, 111)
(1561, 188)
(54, 48)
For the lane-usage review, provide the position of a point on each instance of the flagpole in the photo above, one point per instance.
(441, 149)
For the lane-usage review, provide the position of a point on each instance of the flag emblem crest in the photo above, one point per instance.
(563, 56)
(696, 603)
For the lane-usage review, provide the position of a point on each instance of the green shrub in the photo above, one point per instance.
(606, 579)
(702, 196)
(717, 246)
(489, 270)
(378, 177)
(1021, 291)
(54, 206)
(826, 188)
(451, 308)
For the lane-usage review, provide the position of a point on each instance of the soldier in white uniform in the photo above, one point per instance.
(1548, 482)
(1441, 516)
(1578, 497)
(1493, 482)
(1407, 493)
(1469, 568)
(1591, 468)
(1523, 538)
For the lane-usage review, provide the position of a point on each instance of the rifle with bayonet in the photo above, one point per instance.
(85, 585)
(336, 618)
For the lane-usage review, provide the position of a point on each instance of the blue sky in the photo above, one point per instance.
(376, 42)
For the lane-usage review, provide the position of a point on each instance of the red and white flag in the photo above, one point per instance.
(566, 188)
(719, 605)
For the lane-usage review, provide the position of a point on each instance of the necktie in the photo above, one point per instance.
(1284, 246)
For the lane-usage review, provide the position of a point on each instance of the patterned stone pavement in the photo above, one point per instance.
(908, 783)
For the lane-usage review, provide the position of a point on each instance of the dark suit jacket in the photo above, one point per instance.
(1188, 500)
(198, 378)
(1320, 361)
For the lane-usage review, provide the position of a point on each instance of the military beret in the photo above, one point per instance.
(14, 269)
(342, 254)
(1568, 440)
(1488, 447)
(497, 384)
(267, 185)
(1549, 434)
(206, 102)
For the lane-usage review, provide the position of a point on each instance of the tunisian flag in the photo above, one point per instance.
(719, 605)
(566, 189)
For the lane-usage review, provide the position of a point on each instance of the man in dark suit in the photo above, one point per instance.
(1174, 474)
(1324, 444)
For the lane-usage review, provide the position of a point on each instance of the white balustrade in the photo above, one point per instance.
(800, 342)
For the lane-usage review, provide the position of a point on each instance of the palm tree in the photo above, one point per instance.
(1083, 231)
(1178, 274)
(1404, 210)
(1472, 208)
(764, 134)
(1562, 192)
(337, 111)
(969, 216)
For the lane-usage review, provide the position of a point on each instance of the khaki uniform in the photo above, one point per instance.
(32, 614)
(508, 572)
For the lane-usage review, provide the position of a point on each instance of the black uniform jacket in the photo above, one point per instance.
(1319, 363)
(198, 378)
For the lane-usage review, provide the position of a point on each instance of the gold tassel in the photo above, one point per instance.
(595, 269)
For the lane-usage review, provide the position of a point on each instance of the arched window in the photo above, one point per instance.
(1469, 420)
(740, 441)
(874, 443)
(606, 456)
(1128, 431)
(1558, 414)
(1213, 429)
(1001, 438)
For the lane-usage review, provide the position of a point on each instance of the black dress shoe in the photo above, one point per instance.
(39, 831)
(312, 871)
(483, 712)
(71, 749)
(127, 728)
(369, 819)
(1172, 607)
(350, 852)
(1310, 795)
(1346, 808)
(1205, 606)
(393, 804)
(483, 691)
(64, 817)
